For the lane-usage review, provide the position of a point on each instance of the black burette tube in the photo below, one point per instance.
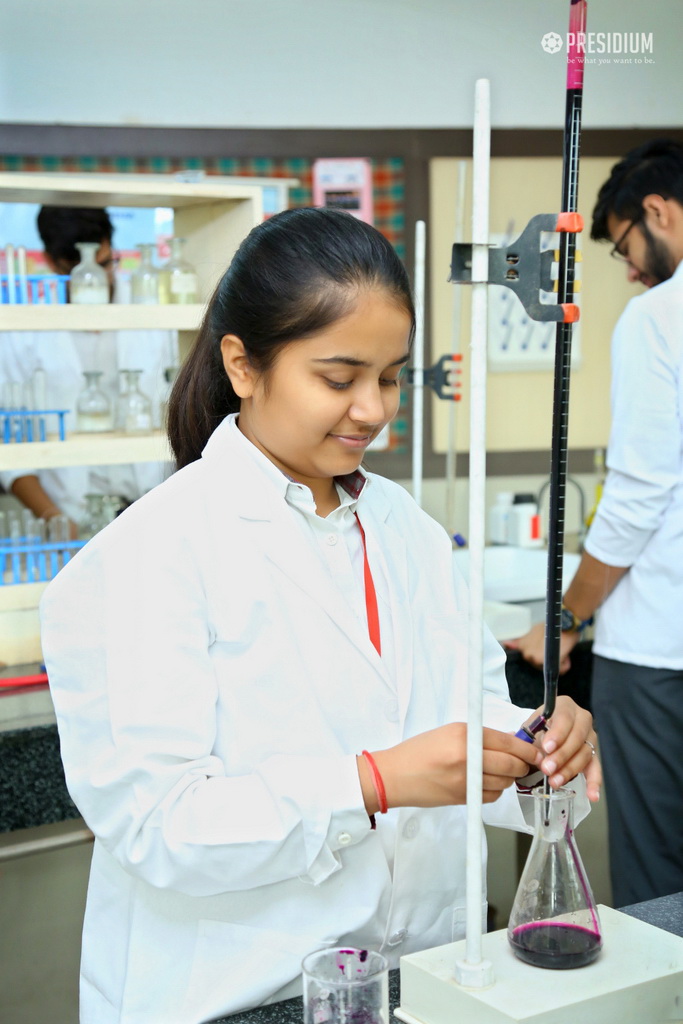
(563, 346)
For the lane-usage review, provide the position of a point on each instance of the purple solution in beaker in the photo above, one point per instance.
(555, 944)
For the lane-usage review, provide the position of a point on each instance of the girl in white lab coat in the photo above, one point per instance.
(223, 654)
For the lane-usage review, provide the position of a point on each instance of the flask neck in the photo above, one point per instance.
(554, 815)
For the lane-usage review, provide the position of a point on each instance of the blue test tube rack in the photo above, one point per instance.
(35, 289)
(20, 425)
(28, 561)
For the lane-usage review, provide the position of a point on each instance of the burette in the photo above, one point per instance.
(562, 371)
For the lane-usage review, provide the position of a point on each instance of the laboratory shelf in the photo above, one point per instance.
(100, 318)
(106, 449)
(19, 597)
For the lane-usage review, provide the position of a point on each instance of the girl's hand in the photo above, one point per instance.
(567, 748)
(430, 770)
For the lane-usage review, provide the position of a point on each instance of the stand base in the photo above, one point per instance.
(636, 979)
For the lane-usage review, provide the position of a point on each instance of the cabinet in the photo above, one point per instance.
(213, 218)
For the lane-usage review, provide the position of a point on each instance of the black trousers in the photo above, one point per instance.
(639, 720)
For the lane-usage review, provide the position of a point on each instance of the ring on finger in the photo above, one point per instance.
(591, 746)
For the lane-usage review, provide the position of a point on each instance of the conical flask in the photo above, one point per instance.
(554, 921)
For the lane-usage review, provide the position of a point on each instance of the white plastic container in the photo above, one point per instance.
(524, 523)
(498, 518)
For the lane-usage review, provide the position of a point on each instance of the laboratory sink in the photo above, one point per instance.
(517, 575)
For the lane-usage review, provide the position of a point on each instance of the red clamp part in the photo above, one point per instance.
(571, 312)
(569, 222)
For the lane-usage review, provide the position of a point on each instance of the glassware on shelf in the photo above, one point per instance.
(100, 510)
(178, 279)
(88, 282)
(136, 407)
(93, 407)
(144, 280)
(170, 374)
(95, 518)
(554, 921)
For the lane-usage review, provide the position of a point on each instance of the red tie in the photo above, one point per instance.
(370, 595)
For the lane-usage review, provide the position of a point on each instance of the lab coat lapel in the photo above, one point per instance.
(392, 559)
(284, 543)
(269, 522)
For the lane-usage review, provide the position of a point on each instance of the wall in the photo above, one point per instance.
(519, 405)
(325, 63)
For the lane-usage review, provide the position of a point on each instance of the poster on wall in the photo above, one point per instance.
(344, 184)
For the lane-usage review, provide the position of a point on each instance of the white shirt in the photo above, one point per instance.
(65, 355)
(213, 688)
(338, 539)
(639, 521)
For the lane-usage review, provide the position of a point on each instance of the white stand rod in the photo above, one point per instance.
(473, 971)
(452, 444)
(418, 360)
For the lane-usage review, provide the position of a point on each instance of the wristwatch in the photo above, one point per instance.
(570, 623)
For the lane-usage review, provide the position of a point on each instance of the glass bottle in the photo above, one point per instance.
(170, 374)
(93, 408)
(178, 278)
(144, 280)
(554, 921)
(95, 518)
(88, 282)
(136, 406)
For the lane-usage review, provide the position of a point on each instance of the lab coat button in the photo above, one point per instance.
(332, 539)
(391, 709)
(343, 838)
(397, 937)
(411, 828)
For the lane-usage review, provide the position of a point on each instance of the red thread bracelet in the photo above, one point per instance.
(377, 782)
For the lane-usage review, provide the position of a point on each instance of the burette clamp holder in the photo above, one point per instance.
(523, 267)
(443, 377)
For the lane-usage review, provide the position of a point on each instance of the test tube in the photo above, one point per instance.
(58, 527)
(21, 273)
(11, 279)
(29, 540)
(41, 527)
(40, 399)
(15, 541)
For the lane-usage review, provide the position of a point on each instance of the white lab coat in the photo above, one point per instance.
(212, 689)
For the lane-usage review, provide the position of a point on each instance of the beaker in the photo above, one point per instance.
(178, 278)
(88, 281)
(144, 280)
(136, 407)
(93, 408)
(554, 921)
(345, 986)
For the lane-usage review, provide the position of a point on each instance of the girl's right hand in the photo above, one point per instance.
(430, 770)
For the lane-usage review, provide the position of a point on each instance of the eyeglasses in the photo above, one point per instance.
(615, 251)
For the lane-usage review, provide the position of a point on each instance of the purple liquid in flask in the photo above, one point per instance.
(554, 921)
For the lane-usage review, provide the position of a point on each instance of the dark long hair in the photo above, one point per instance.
(293, 275)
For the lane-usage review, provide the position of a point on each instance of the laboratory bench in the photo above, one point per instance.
(665, 913)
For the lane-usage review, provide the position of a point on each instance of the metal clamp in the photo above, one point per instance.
(442, 377)
(522, 267)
